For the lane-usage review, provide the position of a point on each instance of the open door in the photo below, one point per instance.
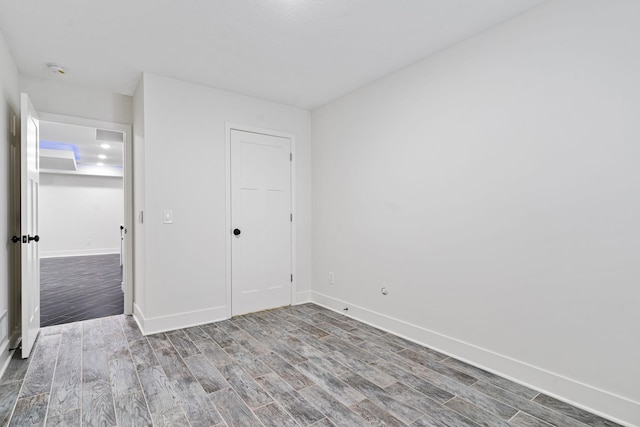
(30, 255)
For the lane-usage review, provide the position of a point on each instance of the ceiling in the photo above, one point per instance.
(94, 153)
(298, 52)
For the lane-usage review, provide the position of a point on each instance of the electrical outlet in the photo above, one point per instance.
(168, 216)
(332, 279)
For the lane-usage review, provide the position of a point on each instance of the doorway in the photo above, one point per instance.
(261, 219)
(84, 252)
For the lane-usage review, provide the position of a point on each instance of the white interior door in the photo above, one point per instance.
(30, 256)
(260, 222)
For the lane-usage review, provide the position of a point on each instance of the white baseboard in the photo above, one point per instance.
(616, 408)
(5, 357)
(138, 317)
(79, 252)
(154, 325)
(302, 297)
(7, 339)
(5, 354)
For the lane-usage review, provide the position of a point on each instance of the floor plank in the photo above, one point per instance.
(131, 410)
(40, 374)
(8, 397)
(30, 411)
(97, 404)
(234, 411)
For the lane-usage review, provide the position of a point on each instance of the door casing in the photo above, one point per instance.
(234, 126)
(15, 269)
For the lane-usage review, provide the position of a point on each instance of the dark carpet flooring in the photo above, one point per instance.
(80, 288)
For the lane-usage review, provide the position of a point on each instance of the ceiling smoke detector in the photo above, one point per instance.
(56, 69)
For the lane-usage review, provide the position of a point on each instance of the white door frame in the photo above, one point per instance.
(128, 192)
(15, 265)
(245, 128)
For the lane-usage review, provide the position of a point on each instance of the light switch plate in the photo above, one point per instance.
(168, 216)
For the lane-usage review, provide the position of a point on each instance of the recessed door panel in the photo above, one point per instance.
(248, 282)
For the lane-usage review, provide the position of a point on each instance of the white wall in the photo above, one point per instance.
(57, 97)
(493, 189)
(9, 105)
(80, 214)
(184, 170)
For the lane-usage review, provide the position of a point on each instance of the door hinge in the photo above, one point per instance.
(292, 278)
(291, 157)
(291, 217)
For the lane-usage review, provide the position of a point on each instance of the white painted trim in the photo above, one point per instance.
(302, 297)
(5, 356)
(234, 126)
(154, 325)
(138, 316)
(616, 408)
(227, 221)
(294, 227)
(128, 193)
(79, 252)
(5, 353)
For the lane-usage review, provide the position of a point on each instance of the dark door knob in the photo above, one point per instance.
(236, 232)
(36, 238)
(15, 239)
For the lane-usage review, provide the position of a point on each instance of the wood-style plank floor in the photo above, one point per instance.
(80, 288)
(294, 366)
